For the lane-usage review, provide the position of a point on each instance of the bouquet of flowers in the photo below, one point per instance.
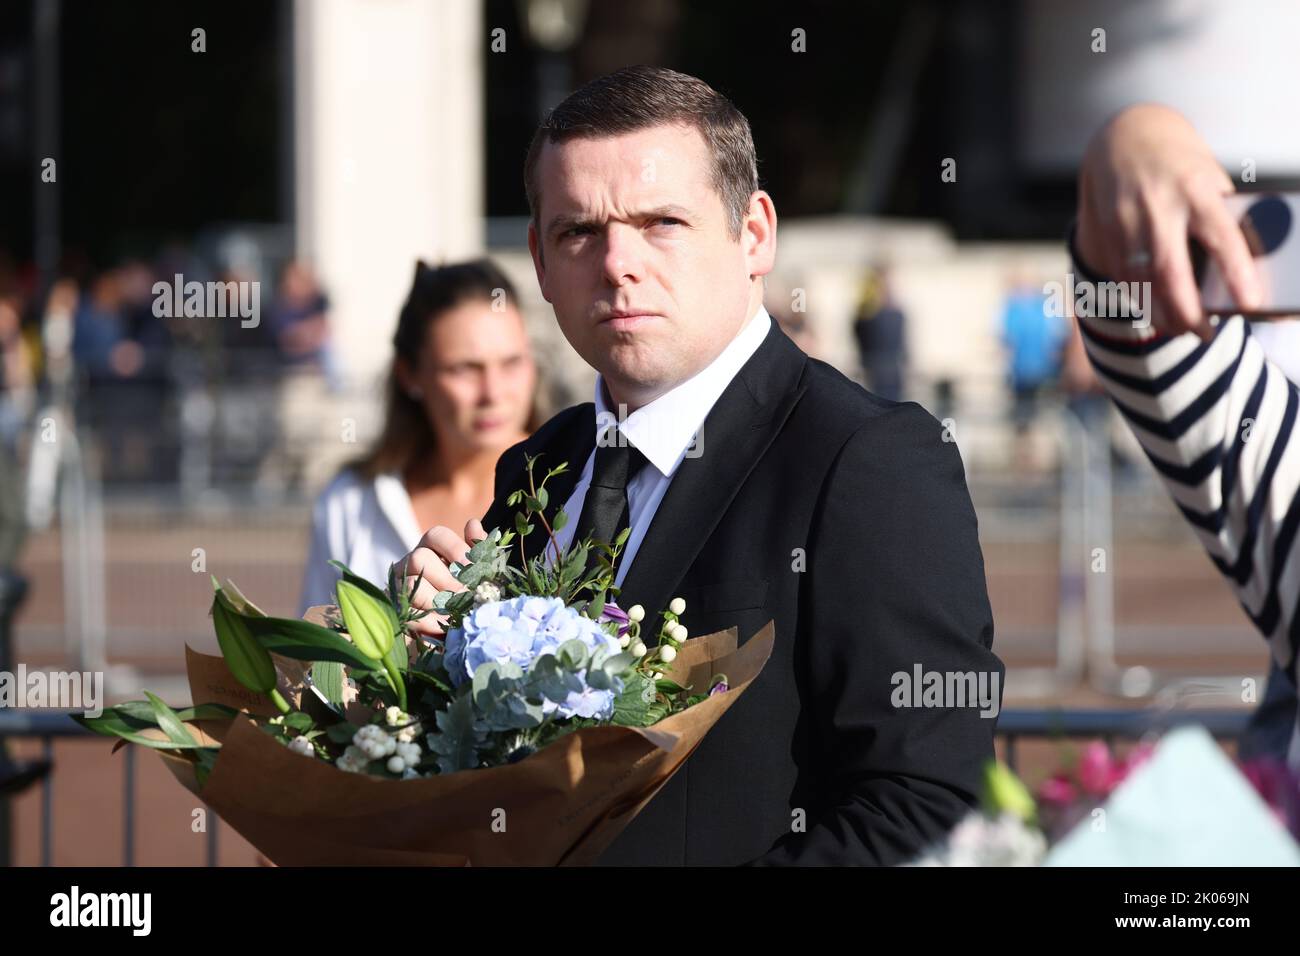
(532, 733)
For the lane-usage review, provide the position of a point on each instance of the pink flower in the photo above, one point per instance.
(1098, 773)
(1057, 790)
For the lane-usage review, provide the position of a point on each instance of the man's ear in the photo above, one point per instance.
(758, 234)
(539, 265)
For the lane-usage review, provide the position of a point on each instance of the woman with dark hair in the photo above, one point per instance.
(462, 389)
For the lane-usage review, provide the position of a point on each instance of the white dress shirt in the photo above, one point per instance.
(665, 431)
(365, 524)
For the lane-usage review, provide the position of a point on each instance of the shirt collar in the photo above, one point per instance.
(664, 429)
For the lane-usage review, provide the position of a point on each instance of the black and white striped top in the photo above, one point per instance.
(1218, 422)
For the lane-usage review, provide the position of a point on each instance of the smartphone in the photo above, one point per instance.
(1269, 222)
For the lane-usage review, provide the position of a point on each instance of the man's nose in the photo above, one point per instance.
(622, 262)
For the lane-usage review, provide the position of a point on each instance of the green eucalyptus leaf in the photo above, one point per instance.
(299, 721)
(460, 737)
(572, 654)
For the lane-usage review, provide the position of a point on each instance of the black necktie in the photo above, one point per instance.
(605, 510)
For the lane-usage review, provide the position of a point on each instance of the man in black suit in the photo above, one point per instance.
(758, 484)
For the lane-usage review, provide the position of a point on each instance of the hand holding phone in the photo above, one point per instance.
(1269, 223)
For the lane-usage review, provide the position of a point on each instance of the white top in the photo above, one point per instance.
(665, 432)
(365, 524)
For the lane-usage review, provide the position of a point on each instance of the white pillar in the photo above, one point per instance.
(388, 154)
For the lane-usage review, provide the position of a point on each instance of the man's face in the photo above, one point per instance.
(633, 249)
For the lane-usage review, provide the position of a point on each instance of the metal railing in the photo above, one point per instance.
(1013, 725)
(48, 726)
(1110, 725)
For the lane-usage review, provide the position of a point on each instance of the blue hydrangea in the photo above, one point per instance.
(520, 630)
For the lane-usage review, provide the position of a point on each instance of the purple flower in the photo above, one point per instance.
(613, 612)
(718, 688)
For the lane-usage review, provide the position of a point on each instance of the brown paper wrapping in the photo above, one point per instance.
(563, 805)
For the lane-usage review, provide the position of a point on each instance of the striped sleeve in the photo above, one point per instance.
(1218, 422)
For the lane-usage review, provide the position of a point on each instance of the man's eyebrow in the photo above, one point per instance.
(670, 211)
(566, 221)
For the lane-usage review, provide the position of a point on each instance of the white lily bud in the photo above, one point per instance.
(638, 649)
(677, 606)
(636, 613)
(680, 633)
(667, 653)
(625, 640)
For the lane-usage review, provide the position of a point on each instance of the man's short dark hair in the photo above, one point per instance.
(638, 97)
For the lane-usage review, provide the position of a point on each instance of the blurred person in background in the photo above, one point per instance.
(100, 345)
(879, 328)
(1035, 343)
(296, 331)
(300, 323)
(113, 374)
(1214, 412)
(462, 389)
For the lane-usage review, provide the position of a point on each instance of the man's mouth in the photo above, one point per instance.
(625, 320)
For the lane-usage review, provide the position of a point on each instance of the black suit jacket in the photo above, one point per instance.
(845, 519)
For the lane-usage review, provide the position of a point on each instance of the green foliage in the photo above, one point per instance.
(494, 718)
(460, 737)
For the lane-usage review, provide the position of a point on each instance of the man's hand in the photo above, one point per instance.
(1148, 182)
(426, 569)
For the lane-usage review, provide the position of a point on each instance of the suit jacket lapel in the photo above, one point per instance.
(736, 433)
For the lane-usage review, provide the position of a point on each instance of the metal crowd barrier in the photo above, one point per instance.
(47, 726)
(1013, 726)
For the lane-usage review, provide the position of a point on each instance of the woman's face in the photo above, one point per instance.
(475, 377)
